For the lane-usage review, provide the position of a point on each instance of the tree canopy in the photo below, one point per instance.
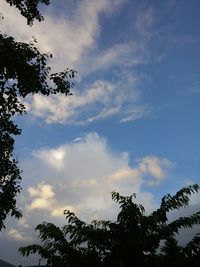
(134, 239)
(23, 71)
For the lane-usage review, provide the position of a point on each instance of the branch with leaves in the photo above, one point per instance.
(133, 237)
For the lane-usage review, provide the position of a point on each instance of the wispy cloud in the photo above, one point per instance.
(73, 39)
(144, 23)
(100, 100)
(67, 36)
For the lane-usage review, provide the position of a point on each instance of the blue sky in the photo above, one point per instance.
(132, 124)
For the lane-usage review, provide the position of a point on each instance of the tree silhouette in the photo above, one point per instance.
(132, 240)
(172, 252)
(29, 9)
(23, 71)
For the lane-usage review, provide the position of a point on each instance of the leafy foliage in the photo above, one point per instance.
(23, 71)
(133, 238)
(29, 9)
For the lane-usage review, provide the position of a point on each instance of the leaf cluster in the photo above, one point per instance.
(29, 9)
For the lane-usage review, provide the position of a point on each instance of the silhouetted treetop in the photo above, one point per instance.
(132, 240)
(29, 9)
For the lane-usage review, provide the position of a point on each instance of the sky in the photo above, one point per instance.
(132, 123)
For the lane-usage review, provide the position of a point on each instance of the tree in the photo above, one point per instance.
(132, 240)
(23, 71)
(172, 252)
(29, 9)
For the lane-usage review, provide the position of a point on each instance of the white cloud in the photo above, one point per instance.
(61, 109)
(18, 235)
(100, 100)
(67, 36)
(117, 55)
(135, 113)
(72, 36)
(73, 39)
(43, 190)
(156, 168)
(55, 157)
(89, 172)
(59, 211)
(42, 196)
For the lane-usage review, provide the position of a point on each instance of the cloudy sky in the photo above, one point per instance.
(132, 124)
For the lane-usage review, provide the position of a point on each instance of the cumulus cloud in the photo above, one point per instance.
(156, 168)
(43, 190)
(54, 157)
(81, 175)
(43, 198)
